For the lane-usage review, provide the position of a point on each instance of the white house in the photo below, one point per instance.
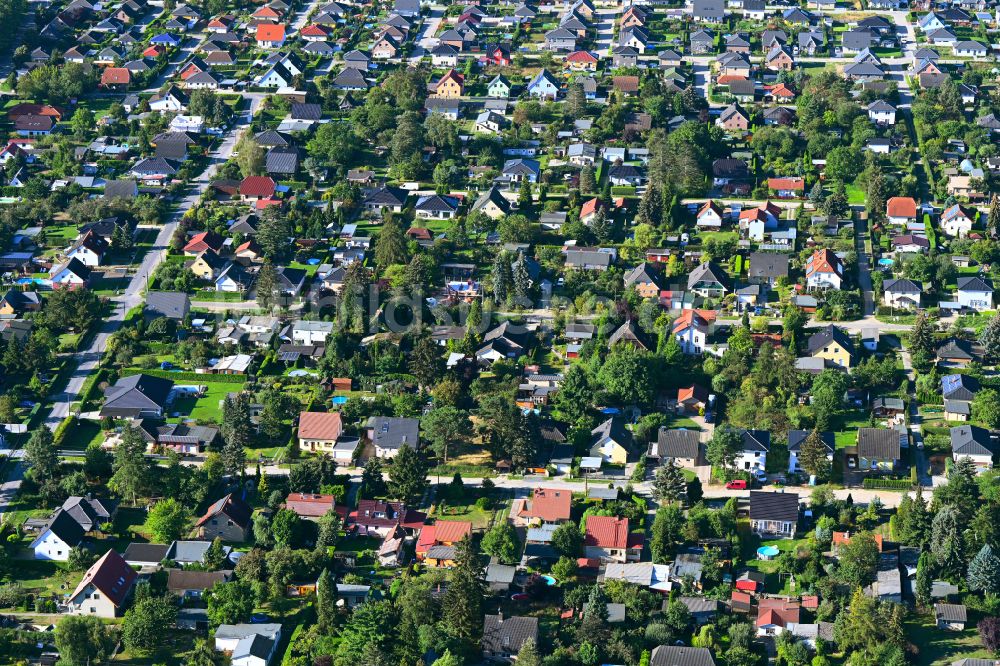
(692, 329)
(248, 644)
(57, 538)
(881, 112)
(901, 293)
(709, 216)
(956, 221)
(901, 210)
(796, 438)
(311, 332)
(752, 455)
(974, 443)
(824, 270)
(975, 293)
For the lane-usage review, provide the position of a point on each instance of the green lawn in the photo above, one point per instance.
(855, 195)
(846, 427)
(80, 435)
(40, 577)
(207, 408)
(936, 647)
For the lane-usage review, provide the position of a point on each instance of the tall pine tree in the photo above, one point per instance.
(463, 602)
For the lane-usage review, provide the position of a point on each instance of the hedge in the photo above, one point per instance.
(187, 376)
(887, 484)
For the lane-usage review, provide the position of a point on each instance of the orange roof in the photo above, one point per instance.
(695, 391)
(590, 207)
(795, 183)
(270, 32)
(320, 425)
(781, 90)
(606, 532)
(115, 76)
(267, 12)
(824, 261)
(741, 597)
(314, 31)
(844, 538)
(777, 612)
(154, 50)
(442, 532)
(726, 79)
(901, 207)
(690, 318)
(548, 504)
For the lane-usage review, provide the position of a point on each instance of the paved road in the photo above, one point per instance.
(89, 358)
(864, 266)
(427, 41)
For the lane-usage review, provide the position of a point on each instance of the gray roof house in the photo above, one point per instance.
(170, 304)
(389, 434)
(503, 637)
(137, 396)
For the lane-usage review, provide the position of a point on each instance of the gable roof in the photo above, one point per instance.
(681, 655)
(606, 532)
(879, 443)
(320, 425)
(111, 575)
(970, 440)
(827, 335)
(780, 506)
(230, 506)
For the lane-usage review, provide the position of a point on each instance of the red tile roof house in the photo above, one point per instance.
(608, 539)
(116, 77)
(256, 188)
(787, 188)
(270, 35)
(546, 505)
(436, 544)
(774, 616)
(901, 210)
(378, 517)
(104, 589)
(319, 431)
(206, 240)
(311, 506)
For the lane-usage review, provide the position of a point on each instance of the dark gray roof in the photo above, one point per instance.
(506, 635)
(170, 304)
(756, 440)
(138, 392)
(282, 161)
(708, 272)
(950, 612)
(766, 505)
(677, 443)
(878, 444)
(797, 437)
(973, 283)
(394, 432)
(613, 428)
(306, 111)
(681, 655)
(146, 552)
(768, 265)
(714, 9)
(827, 335)
(65, 527)
(970, 440)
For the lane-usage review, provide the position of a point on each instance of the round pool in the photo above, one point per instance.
(767, 552)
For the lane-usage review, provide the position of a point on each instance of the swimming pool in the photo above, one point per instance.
(886, 261)
(767, 552)
(338, 399)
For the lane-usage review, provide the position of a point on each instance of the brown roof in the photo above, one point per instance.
(111, 575)
(309, 505)
(626, 83)
(607, 532)
(320, 425)
(179, 580)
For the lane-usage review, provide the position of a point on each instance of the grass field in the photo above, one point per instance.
(206, 408)
(936, 647)
(81, 434)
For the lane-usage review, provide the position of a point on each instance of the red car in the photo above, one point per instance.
(736, 484)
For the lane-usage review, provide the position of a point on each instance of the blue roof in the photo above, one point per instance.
(950, 382)
(164, 38)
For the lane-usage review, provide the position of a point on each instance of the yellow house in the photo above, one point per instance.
(610, 441)
(206, 265)
(834, 346)
(451, 85)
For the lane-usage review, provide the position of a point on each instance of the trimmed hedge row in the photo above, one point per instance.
(187, 376)
(887, 484)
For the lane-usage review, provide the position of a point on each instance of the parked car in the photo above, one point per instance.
(736, 484)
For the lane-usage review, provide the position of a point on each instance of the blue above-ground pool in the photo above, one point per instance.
(338, 399)
(767, 552)
(885, 261)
